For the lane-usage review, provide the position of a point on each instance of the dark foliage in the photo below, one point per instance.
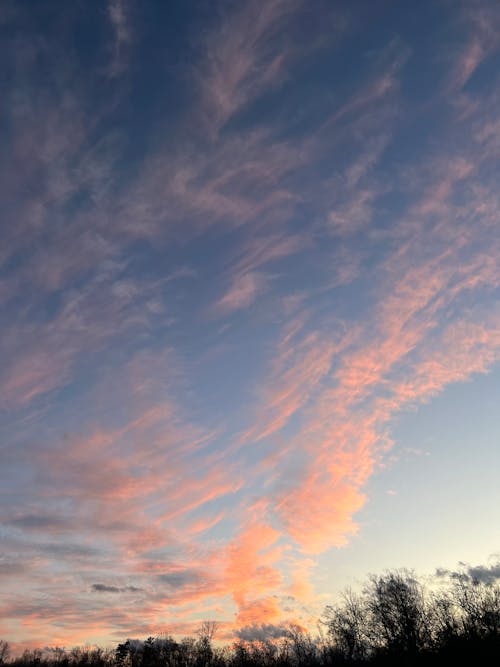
(394, 621)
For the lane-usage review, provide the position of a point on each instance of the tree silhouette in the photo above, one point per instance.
(397, 615)
(347, 626)
(392, 621)
(4, 651)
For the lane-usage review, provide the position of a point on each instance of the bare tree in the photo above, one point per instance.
(206, 633)
(347, 626)
(207, 630)
(4, 651)
(479, 607)
(395, 603)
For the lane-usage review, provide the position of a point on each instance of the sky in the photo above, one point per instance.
(250, 316)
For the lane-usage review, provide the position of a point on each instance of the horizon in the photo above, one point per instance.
(395, 616)
(250, 281)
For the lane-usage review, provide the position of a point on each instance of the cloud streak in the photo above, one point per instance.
(214, 311)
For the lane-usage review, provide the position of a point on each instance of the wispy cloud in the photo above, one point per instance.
(347, 232)
(119, 18)
(245, 55)
(480, 22)
(243, 292)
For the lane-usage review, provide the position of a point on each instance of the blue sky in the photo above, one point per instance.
(249, 302)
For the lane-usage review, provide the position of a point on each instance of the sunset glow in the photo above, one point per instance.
(250, 280)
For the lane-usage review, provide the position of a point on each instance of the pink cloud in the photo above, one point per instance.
(243, 292)
(244, 57)
(400, 357)
(481, 22)
(141, 485)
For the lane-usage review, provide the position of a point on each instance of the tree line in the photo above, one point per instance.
(395, 620)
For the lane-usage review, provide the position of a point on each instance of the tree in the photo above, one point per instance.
(443, 622)
(4, 651)
(479, 607)
(347, 626)
(397, 615)
(206, 633)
